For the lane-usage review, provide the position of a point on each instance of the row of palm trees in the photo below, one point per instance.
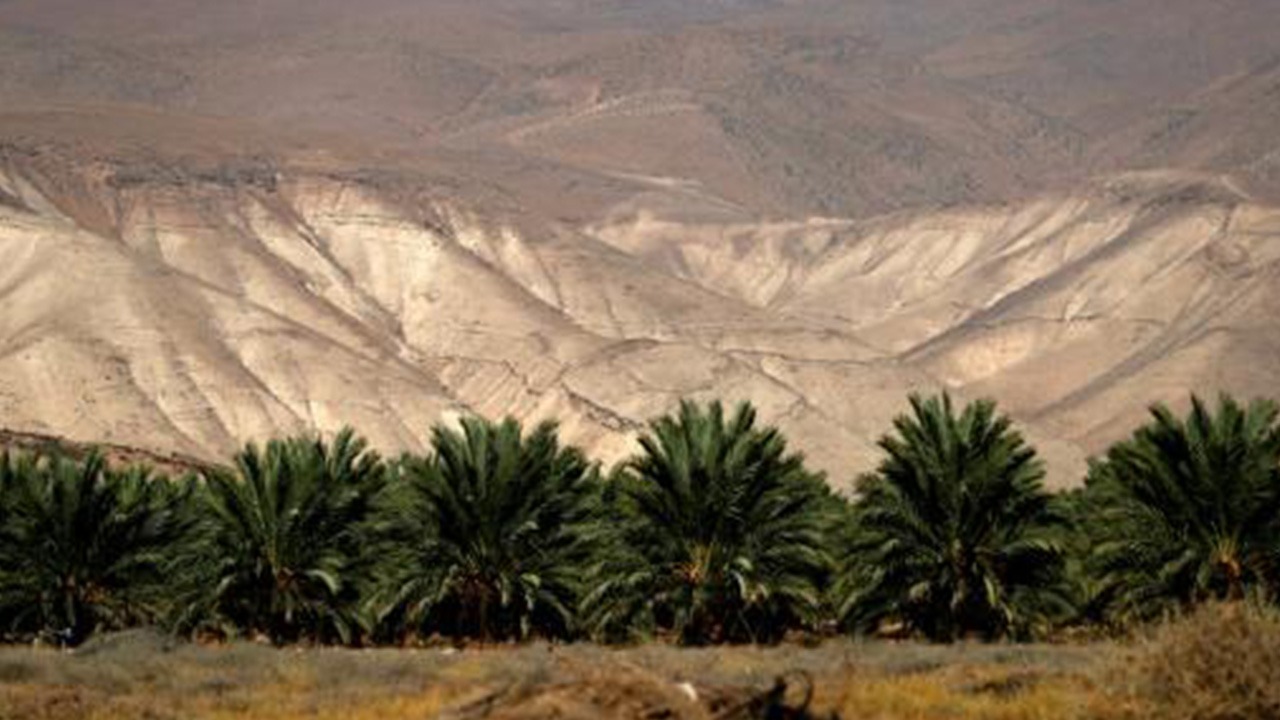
(713, 532)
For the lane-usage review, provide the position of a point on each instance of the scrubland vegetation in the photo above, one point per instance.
(1218, 663)
(713, 535)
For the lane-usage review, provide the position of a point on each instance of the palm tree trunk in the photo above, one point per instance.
(1235, 579)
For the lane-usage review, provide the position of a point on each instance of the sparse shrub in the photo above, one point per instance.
(1220, 663)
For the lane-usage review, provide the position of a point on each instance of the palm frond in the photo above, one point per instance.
(952, 534)
(491, 536)
(720, 533)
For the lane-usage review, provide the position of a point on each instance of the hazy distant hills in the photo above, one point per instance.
(222, 220)
(837, 108)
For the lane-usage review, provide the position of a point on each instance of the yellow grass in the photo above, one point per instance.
(1220, 663)
(961, 692)
(279, 703)
(871, 681)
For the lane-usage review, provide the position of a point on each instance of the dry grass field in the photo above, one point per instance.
(1222, 663)
(137, 675)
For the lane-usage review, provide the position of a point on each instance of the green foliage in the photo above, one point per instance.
(712, 533)
(952, 536)
(492, 536)
(1188, 510)
(1089, 593)
(285, 550)
(83, 547)
(721, 534)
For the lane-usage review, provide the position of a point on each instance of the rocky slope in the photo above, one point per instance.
(221, 221)
(185, 305)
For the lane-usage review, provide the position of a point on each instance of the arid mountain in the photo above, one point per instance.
(224, 220)
(819, 107)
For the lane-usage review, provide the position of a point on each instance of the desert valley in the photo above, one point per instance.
(715, 359)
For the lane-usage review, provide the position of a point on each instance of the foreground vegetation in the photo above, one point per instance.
(134, 676)
(713, 533)
(1221, 663)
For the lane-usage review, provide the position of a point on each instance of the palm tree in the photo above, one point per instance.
(83, 547)
(1189, 510)
(285, 549)
(1090, 595)
(492, 536)
(952, 534)
(721, 533)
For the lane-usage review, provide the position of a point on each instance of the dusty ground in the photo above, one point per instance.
(139, 675)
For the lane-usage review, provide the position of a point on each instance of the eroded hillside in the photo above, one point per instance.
(222, 221)
(191, 304)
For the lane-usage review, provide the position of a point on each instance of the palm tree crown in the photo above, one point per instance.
(493, 534)
(721, 533)
(286, 551)
(84, 547)
(1188, 510)
(950, 535)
